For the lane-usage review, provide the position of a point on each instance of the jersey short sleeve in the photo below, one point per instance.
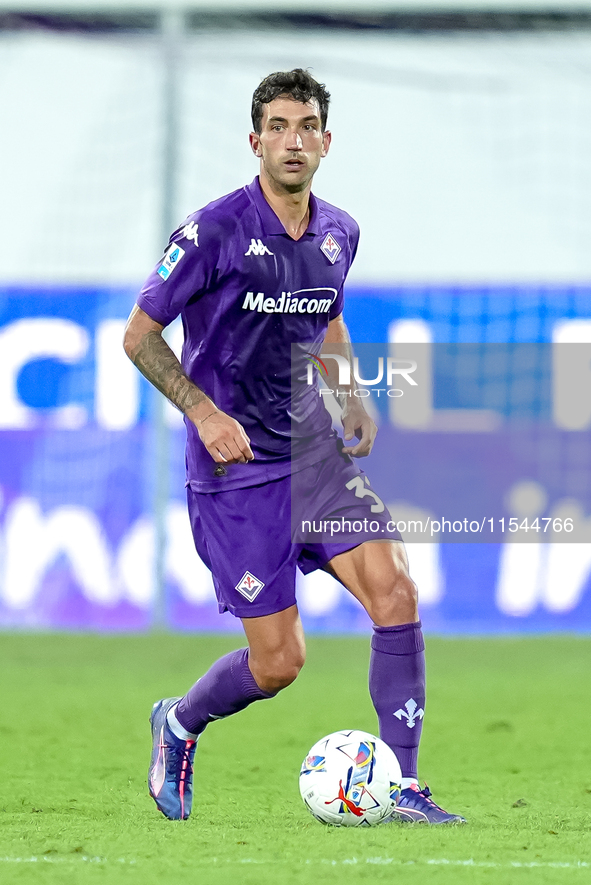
(336, 308)
(352, 233)
(188, 268)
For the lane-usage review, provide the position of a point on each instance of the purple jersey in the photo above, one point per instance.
(247, 292)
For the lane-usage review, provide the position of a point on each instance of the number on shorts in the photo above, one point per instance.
(361, 491)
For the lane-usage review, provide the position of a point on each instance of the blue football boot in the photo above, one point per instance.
(416, 806)
(170, 777)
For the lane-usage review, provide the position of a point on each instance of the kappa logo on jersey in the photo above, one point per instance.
(331, 248)
(190, 232)
(171, 259)
(257, 247)
(291, 302)
(249, 586)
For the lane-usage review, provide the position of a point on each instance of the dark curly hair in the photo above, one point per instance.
(298, 85)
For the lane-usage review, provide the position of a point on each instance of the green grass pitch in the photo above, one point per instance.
(507, 742)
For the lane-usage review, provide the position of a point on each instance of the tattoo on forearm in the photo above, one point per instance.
(159, 365)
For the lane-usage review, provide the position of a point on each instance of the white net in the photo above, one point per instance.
(465, 157)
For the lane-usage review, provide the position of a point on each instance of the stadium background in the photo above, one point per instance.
(461, 145)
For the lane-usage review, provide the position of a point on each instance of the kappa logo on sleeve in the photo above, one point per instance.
(331, 248)
(190, 232)
(171, 259)
(249, 586)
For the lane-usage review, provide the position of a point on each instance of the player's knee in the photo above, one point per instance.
(277, 671)
(394, 601)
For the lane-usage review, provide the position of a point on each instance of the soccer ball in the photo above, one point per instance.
(350, 779)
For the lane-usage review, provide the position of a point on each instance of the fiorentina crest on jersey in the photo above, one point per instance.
(331, 248)
(249, 586)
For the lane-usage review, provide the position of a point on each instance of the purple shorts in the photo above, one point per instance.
(254, 538)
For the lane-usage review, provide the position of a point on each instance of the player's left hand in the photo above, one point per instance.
(356, 422)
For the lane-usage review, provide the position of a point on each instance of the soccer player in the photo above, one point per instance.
(253, 274)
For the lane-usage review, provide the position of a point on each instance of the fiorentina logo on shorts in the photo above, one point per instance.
(249, 586)
(331, 248)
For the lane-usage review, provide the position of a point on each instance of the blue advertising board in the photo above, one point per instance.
(78, 465)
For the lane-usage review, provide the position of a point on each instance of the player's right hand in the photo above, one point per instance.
(224, 438)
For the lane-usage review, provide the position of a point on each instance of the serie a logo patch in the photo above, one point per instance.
(171, 258)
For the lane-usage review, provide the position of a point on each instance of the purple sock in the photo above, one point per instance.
(227, 687)
(397, 689)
